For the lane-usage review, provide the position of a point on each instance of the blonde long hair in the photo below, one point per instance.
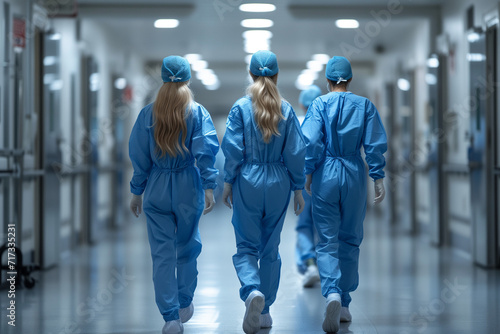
(170, 110)
(266, 101)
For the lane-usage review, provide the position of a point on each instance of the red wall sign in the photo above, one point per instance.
(19, 33)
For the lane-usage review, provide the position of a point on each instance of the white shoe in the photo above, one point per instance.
(311, 276)
(254, 304)
(331, 324)
(186, 313)
(345, 315)
(173, 327)
(266, 321)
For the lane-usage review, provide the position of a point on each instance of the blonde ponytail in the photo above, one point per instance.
(266, 100)
(169, 118)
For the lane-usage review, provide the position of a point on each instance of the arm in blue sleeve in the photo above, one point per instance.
(140, 155)
(233, 145)
(294, 152)
(314, 136)
(374, 142)
(205, 146)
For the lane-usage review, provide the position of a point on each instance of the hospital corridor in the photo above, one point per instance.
(249, 166)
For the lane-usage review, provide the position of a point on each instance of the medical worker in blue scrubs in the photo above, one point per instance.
(265, 152)
(172, 148)
(336, 127)
(305, 253)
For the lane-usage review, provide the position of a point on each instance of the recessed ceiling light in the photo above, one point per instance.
(199, 65)
(252, 46)
(257, 7)
(433, 62)
(257, 34)
(120, 83)
(192, 57)
(347, 24)
(314, 65)
(323, 58)
(257, 23)
(166, 23)
(404, 84)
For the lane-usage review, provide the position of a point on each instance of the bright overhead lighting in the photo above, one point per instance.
(314, 65)
(433, 62)
(192, 57)
(204, 74)
(473, 37)
(55, 37)
(347, 24)
(166, 23)
(404, 84)
(252, 46)
(476, 57)
(199, 65)
(257, 23)
(321, 57)
(49, 60)
(257, 34)
(257, 7)
(120, 83)
(431, 79)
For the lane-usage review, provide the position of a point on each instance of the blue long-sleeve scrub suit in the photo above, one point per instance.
(173, 203)
(262, 175)
(337, 125)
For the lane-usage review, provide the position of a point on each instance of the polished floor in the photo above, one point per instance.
(406, 287)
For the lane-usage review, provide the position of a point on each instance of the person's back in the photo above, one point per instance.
(346, 117)
(264, 151)
(169, 137)
(256, 149)
(337, 125)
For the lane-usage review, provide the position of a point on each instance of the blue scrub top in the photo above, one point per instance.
(201, 141)
(243, 143)
(338, 124)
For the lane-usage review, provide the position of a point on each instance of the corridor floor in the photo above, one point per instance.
(406, 286)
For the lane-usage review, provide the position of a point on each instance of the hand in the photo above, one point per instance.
(308, 184)
(209, 201)
(136, 205)
(298, 202)
(379, 191)
(227, 195)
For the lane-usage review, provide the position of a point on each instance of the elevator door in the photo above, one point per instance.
(51, 156)
(435, 81)
(482, 63)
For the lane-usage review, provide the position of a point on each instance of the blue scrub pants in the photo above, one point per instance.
(173, 204)
(306, 235)
(261, 194)
(339, 207)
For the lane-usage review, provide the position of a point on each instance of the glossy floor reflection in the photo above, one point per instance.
(406, 286)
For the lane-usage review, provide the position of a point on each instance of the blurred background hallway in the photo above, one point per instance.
(76, 74)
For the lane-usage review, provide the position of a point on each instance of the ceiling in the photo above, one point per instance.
(301, 29)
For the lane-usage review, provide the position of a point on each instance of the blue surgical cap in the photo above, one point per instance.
(264, 64)
(338, 69)
(308, 95)
(175, 69)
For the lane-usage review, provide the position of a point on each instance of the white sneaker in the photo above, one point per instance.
(186, 313)
(331, 324)
(266, 321)
(173, 327)
(254, 304)
(311, 277)
(345, 315)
